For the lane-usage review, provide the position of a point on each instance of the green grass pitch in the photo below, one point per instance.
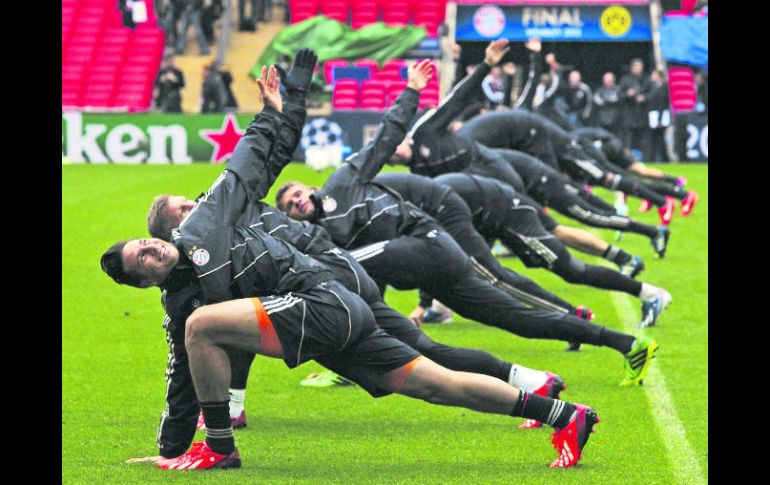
(114, 358)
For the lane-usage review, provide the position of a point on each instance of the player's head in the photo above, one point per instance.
(293, 198)
(140, 262)
(166, 213)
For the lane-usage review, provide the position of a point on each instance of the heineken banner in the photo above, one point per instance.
(187, 138)
(549, 22)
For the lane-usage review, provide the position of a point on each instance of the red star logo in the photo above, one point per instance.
(224, 140)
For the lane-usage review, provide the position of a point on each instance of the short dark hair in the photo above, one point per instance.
(158, 223)
(112, 264)
(282, 190)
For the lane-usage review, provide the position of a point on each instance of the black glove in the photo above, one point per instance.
(301, 71)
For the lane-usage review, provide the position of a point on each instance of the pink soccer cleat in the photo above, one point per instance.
(688, 203)
(667, 211)
(645, 205)
(201, 457)
(571, 440)
(551, 388)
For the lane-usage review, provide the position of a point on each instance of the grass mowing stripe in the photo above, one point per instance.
(683, 460)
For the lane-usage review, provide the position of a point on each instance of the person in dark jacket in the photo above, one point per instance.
(214, 93)
(659, 118)
(168, 87)
(608, 105)
(261, 295)
(635, 88)
(400, 245)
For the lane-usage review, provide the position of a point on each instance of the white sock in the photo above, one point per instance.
(525, 378)
(648, 291)
(237, 398)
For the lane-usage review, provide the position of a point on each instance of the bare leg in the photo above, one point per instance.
(232, 323)
(438, 385)
(581, 240)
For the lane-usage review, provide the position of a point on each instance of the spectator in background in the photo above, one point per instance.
(168, 86)
(659, 116)
(227, 79)
(702, 91)
(635, 87)
(214, 93)
(247, 24)
(494, 88)
(547, 100)
(212, 11)
(578, 97)
(607, 105)
(168, 13)
(191, 14)
(511, 82)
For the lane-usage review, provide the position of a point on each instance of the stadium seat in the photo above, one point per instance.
(429, 97)
(370, 63)
(681, 86)
(335, 9)
(373, 94)
(428, 19)
(394, 89)
(345, 94)
(301, 10)
(331, 64)
(395, 13)
(363, 13)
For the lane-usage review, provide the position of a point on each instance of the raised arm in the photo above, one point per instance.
(392, 130)
(259, 173)
(457, 99)
(535, 69)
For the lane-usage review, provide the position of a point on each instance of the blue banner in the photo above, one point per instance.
(585, 23)
(685, 40)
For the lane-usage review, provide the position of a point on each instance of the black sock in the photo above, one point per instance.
(219, 430)
(673, 179)
(616, 340)
(665, 189)
(552, 412)
(639, 228)
(616, 255)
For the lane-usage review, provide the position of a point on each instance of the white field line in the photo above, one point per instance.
(684, 462)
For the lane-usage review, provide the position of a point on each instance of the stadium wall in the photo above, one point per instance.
(159, 138)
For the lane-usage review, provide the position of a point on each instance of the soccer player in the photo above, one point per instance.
(169, 211)
(400, 245)
(514, 129)
(263, 296)
(622, 160)
(549, 189)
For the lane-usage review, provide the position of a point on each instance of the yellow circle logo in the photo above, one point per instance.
(616, 21)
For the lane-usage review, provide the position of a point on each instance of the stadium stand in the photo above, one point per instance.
(681, 88)
(106, 65)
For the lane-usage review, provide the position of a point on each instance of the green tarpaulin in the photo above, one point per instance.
(333, 40)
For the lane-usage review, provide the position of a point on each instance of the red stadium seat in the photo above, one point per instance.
(428, 98)
(345, 95)
(394, 90)
(395, 13)
(429, 20)
(331, 64)
(681, 86)
(301, 10)
(363, 13)
(335, 9)
(370, 63)
(373, 94)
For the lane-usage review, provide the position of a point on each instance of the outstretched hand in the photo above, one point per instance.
(301, 72)
(419, 74)
(495, 51)
(534, 44)
(270, 88)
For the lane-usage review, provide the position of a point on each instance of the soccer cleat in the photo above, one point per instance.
(572, 439)
(645, 206)
(573, 347)
(660, 241)
(551, 388)
(326, 379)
(688, 203)
(201, 423)
(584, 312)
(652, 308)
(201, 457)
(633, 267)
(637, 361)
(499, 250)
(432, 316)
(240, 421)
(667, 211)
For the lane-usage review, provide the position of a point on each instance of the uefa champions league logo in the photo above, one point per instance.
(321, 132)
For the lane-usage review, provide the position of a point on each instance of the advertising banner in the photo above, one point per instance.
(691, 137)
(567, 22)
(185, 138)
